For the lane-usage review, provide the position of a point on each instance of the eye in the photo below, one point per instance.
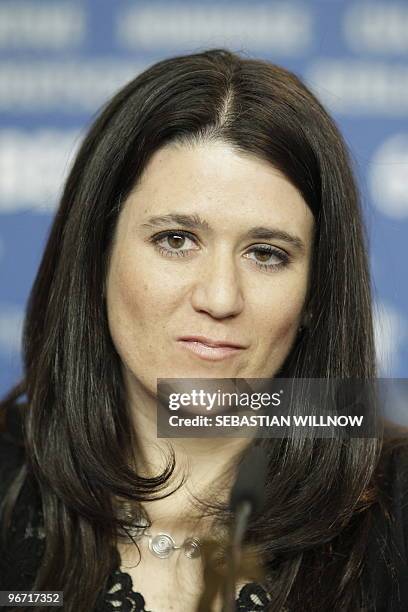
(271, 258)
(175, 240)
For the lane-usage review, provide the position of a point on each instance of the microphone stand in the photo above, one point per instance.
(247, 497)
(220, 579)
(243, 513)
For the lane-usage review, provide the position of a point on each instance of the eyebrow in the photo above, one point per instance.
(195, 222)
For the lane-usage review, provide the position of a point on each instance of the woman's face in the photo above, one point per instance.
(212, 272)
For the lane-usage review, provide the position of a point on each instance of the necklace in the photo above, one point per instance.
(161, 545)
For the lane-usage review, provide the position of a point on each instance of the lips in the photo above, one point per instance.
(210, 342)
(215, 352)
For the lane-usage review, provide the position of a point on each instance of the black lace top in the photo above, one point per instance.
(19, 565)
(386, 570)
(120, 596)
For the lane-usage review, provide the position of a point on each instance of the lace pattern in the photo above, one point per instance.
(120, 596)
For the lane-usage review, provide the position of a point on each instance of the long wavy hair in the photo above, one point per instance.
(76, 422)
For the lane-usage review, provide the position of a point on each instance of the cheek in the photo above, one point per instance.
(139, 298)
(282, 325)
(280, 316)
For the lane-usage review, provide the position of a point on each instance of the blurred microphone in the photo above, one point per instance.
(246, 500)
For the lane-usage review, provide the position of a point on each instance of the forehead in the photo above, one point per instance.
(220, 184)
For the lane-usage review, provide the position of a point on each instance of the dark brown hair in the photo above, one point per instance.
(76, 422)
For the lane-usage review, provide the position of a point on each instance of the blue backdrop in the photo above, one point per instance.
(61, 60)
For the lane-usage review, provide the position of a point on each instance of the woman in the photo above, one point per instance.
(211, 200)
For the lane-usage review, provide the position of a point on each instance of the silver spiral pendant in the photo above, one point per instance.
(192, 548)
(162, 545)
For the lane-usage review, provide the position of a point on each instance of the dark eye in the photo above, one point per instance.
(175, 240)
(275, 257)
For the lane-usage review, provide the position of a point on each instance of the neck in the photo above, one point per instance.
(208, 464)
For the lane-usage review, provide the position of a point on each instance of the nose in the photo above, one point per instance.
(218, 289)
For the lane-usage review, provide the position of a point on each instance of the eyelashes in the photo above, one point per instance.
(281, 257)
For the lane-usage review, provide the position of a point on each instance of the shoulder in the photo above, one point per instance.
(396, 490)
(14, 465)
(12, 452)
(393, 471)
(22, 552)
(387, 554)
